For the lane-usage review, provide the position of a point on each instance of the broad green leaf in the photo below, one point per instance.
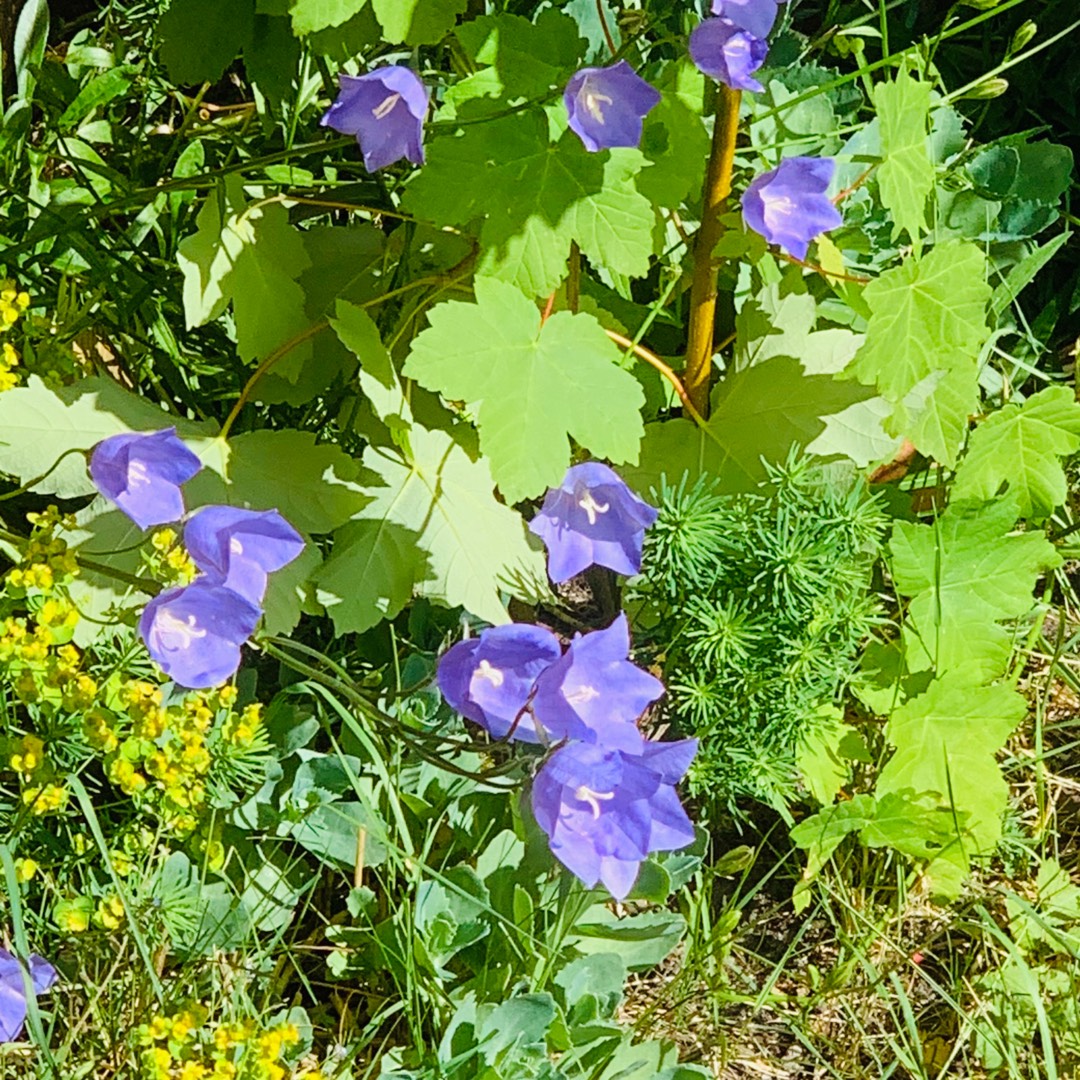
(39, 425)
(370, 575)
(818, 758)
(527, 59)
(474, 547)
(967, 567)
(761, 413)
(308, 16)
(1021, 446)
(200, 38)
(906, 176)
(822, 833)
(674, 139)
(946, 740)
(533, 385)
(534, 197)
(289, 592)
(927, 326)
(312, 484)
(417, 22)
(207, 256)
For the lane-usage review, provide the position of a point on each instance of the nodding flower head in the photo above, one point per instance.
(607, 105)
(789, 206)
(727, 53)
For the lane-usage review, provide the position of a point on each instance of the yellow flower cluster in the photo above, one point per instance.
(162, 753)
(13, 303)
(183, 1046)
(46, 562)
(39, 795)
(9, 360)
(171, 564)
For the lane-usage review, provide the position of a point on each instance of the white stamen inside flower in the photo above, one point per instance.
(592, 507)
(137, 474)
(385, 107)
(181, 632)
(593, 798)
(780, 205)
(593, 103)
(582, 695)
(235, 547)
(492, 674)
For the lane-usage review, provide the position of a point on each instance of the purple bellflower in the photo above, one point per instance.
(788, 204)
(727, 53)
(489, 679)
(385, 110)
(756, 17)
(607, 105)
(142, 474)
(604, 811)
(13, 991)
(593, 518)
(594, 693)
(239, 548)
(195, 632)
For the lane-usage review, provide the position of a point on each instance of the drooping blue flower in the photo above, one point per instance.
(727, 53)
(195, 632)
(239, 548)
(594, 693)
(385, 110)
(13, 991)
(592, 518)
(604, 811)
(142, 474)
(756, 17)
(788, 204)
(489, 679)
(607, 105)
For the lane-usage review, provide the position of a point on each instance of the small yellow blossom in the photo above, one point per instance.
(110, 912)
(30, 755)
(25, 869)
(49, 799)
(73, 916)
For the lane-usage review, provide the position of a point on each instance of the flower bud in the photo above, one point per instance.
(988, 88)
(1024, 33)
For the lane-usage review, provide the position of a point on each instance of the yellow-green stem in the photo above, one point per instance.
(699, 348)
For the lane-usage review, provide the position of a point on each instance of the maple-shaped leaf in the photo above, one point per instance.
(967, 569)
(906, 176)
(926, 328)
(534, 197)
(531, 384)
(946, 741)
(1020, 445)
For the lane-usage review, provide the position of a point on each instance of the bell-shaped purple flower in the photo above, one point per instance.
(13, 991)
(788, 204)
(385, 110)
(604, 811)
(756, 17)
(607, 105)
(594, 693)
(727, 53)
(593, 518)
(195, 632)
(239, 548)
(142, 474)
(490, 678)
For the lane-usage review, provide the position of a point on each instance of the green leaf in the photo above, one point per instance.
(927, 325)
(946, 740)
(535, 197)
(309, 16)
(312, 484)
(823, 769)
(533, 385)
(370, 575)
(200, 38)
(1020, 445)
(471, 545)
(39, 425)
(206, 257)
(906, 176)
(528, 58)
(417, 22)
(761, 413)
(968, 567)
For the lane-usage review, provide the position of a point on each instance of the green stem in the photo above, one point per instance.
(699, 348)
